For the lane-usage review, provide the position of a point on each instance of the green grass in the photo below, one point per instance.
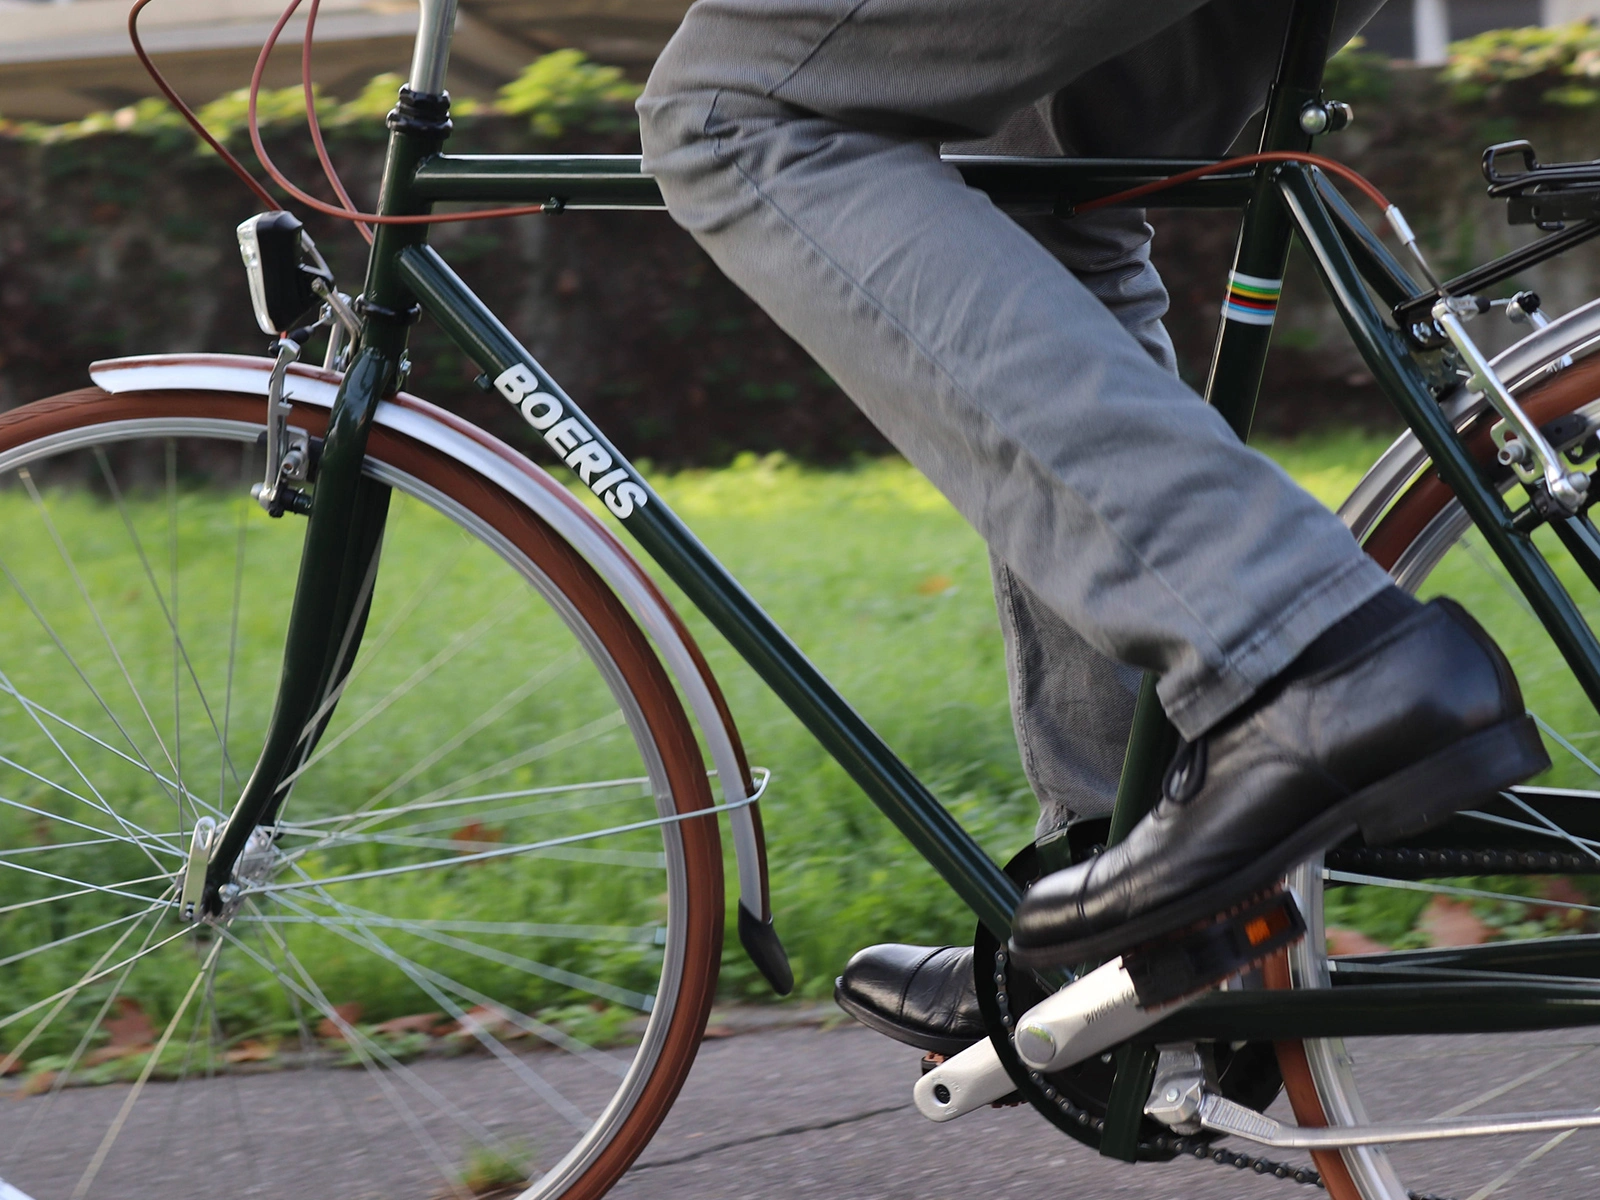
(887, 589)
(868, 569)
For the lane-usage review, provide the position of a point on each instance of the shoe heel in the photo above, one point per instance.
(1471, 771)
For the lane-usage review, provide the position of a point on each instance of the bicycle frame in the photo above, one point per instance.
(1279, 202)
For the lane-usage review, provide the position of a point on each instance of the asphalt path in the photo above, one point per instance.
(818, 1110)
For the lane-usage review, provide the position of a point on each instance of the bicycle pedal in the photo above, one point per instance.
(1121, 998)
(1197, 958)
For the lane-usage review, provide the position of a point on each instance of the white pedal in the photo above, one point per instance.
(1097, 1012)
(972, 1079)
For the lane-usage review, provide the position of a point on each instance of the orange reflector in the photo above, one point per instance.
(1258, 931)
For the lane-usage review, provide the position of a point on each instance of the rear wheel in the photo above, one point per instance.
(1370, 922)
(479, 955)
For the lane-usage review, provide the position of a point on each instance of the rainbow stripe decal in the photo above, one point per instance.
(1251, 299)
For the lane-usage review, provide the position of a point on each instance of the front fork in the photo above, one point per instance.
(333, 596)
(339, 563)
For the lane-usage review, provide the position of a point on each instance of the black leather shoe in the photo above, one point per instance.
(1425, 721)
(920, 995)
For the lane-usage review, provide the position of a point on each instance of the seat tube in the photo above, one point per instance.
(1251, 304)
(1241, 350)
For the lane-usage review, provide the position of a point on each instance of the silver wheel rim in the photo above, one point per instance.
(554, 1178)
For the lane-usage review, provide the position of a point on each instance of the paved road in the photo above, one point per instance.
(812, 1113)
(788, 1114)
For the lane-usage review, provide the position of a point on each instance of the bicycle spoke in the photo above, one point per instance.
(500, 851)
(66, 939)
(98, 804)
(457, 644)
(599, 727)
(421, 977)
(111, 890)
(1526, 1077)
(112, 1134)
(650, 935)
(1551, 825)
(595, 987)
(1446, 889)
(142, 835)
(1517, 1168)
(72, 568)
(494, 713)
(232, 640)
(649, 860)
(369, 819)
(371, 1054)
(167, 784)
(73, 989)
(66, 996)
(82, 891)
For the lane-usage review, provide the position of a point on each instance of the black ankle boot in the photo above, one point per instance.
(1419, 723)
(923, 996)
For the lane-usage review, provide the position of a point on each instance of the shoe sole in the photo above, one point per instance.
(1457, 777)
(881, 1024)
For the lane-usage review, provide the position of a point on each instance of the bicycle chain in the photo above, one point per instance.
(1403, 863)
(1178, 1146)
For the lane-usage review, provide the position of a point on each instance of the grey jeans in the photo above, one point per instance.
(1021, 366)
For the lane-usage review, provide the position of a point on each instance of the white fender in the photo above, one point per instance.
(493, 459)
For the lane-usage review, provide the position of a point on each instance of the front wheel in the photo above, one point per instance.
(476, 957)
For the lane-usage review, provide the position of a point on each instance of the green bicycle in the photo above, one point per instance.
(446, 747)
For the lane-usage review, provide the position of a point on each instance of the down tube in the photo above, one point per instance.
(864, 755)
(1402, 382)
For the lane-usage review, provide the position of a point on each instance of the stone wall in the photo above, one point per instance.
(123, 244)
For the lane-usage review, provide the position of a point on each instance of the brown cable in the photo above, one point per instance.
(315, 126)
(244, 173)
(1244, 160)
(238, 168)
(331, 210)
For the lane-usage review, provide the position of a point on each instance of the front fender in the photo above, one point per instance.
(512, 471)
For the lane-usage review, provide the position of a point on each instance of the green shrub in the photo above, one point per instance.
(1559, 65)
(564, 90)
(1356, 73)
(557, 92)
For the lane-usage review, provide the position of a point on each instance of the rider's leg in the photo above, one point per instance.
(797, 142)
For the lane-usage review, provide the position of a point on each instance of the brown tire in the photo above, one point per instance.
(662, 738)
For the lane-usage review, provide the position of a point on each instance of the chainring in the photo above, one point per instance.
(1075, 1100)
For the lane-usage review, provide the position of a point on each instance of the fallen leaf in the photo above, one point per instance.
(329, 1028)
(1453, 923)
(1562, 889)
(131, 1033)
(934, 585)
(416, 1023)
(132, 1027)
(39, 1083)
(489, 1022)
(477, 831)
(1351, 941)
(251, 1050)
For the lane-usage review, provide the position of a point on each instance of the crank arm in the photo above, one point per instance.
(1221, 1115)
